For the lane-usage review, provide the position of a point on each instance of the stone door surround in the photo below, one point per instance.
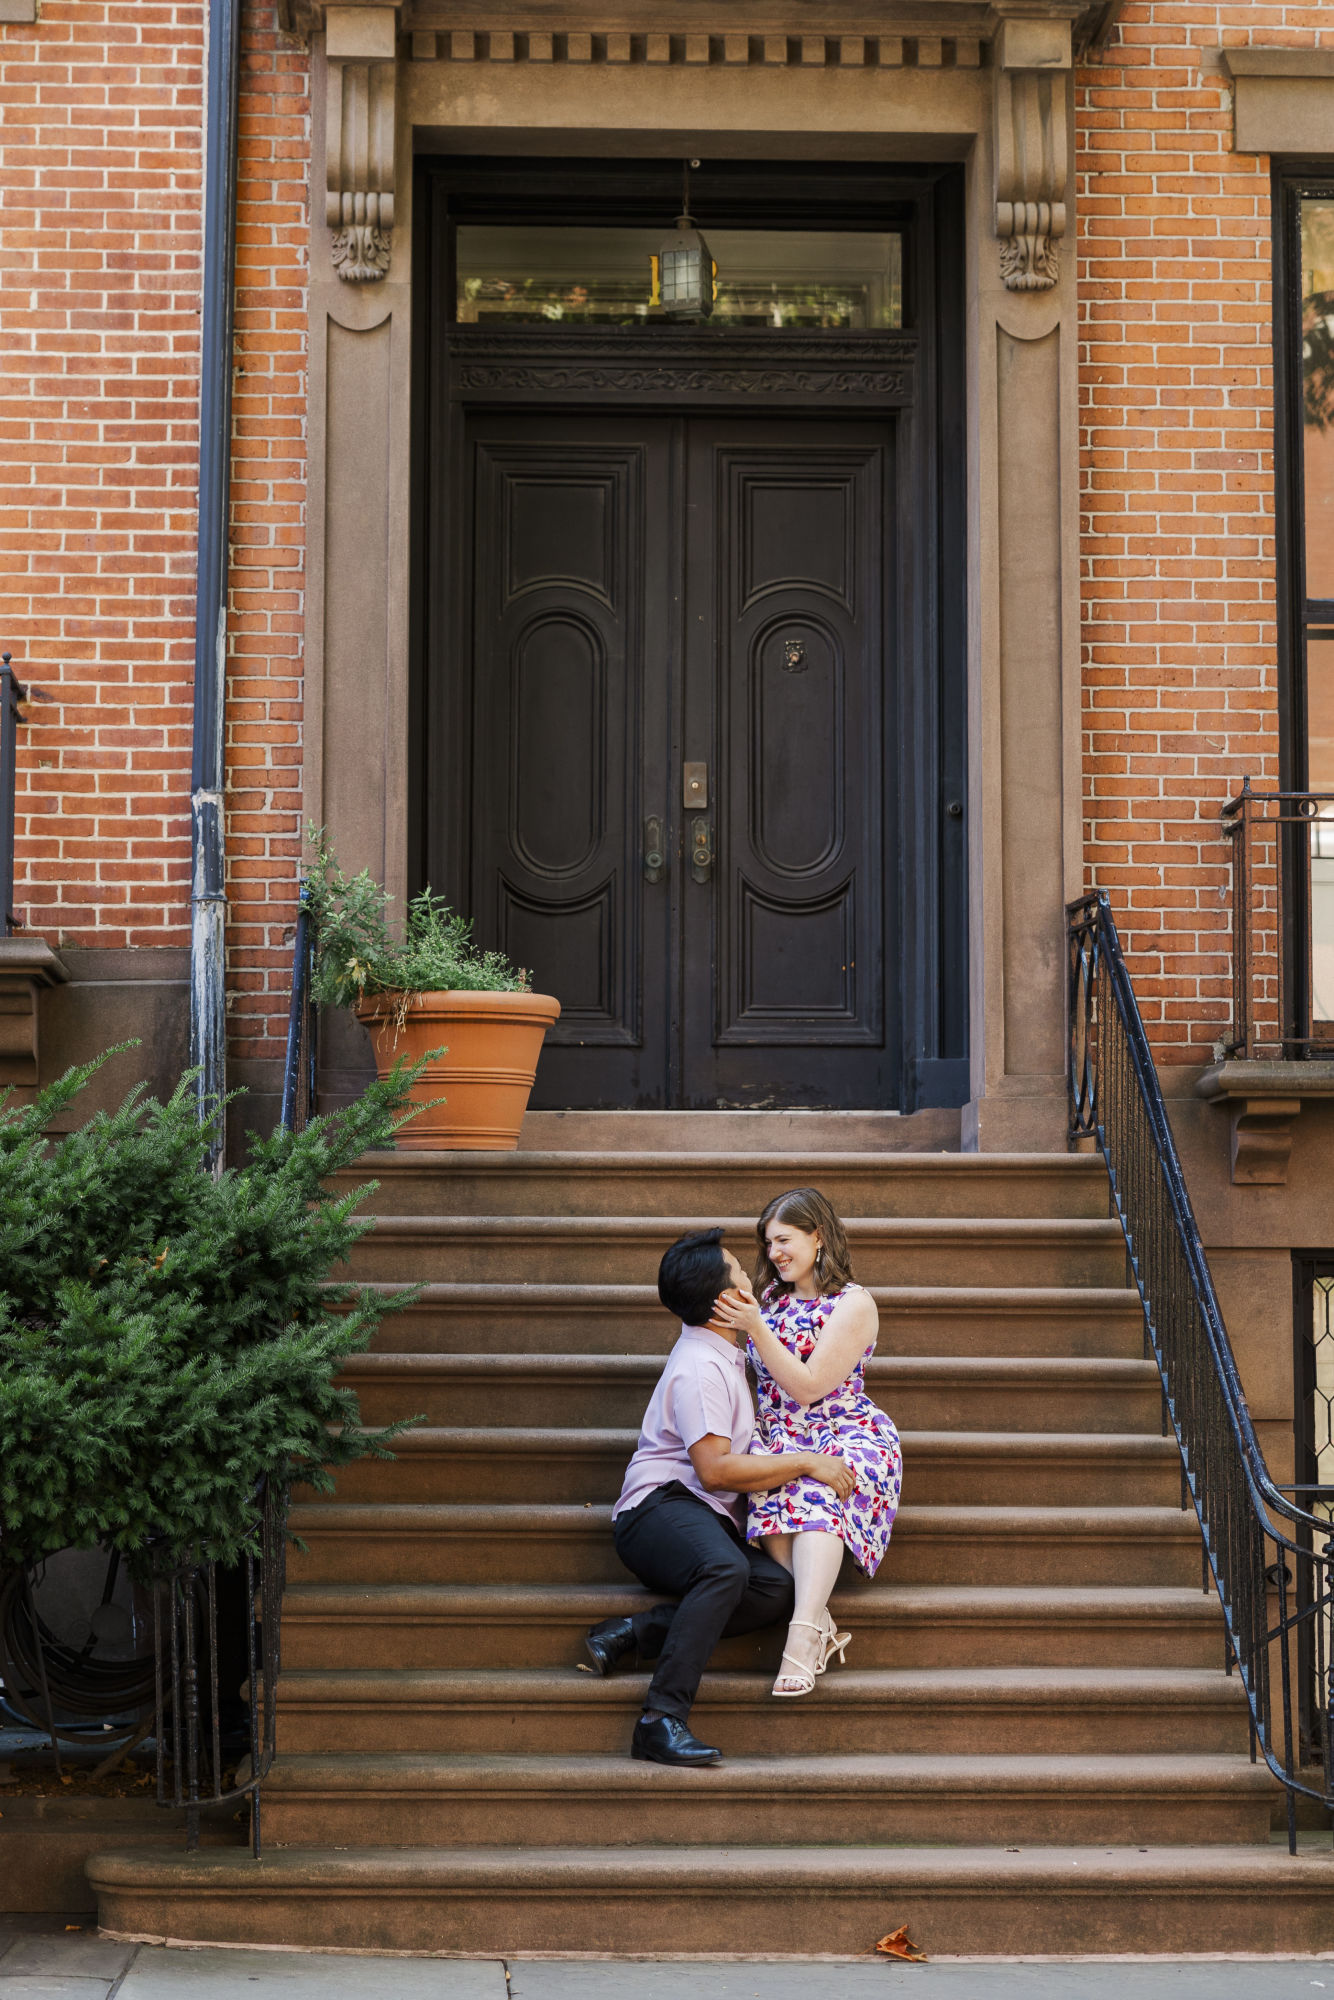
(988, 85)
(1027, 46)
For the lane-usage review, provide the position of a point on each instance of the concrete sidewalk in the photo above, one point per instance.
(76, 1964)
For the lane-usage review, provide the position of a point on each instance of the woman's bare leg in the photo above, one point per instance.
(815, 1559)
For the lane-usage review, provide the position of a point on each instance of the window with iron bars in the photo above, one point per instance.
(1313, 1427)
(1304, 410)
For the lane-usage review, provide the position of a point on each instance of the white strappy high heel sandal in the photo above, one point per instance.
(803, 1676)
(836, 1643)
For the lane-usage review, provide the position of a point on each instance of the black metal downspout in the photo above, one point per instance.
(208, 998)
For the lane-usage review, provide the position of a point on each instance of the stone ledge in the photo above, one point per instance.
(1283, 100)
(1264, 1098)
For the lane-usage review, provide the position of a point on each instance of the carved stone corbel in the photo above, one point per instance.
(1032, 128)
(1264, 1101)
(359, 138)
(1262, 1139)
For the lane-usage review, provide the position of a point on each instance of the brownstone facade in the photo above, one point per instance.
(1123, 587)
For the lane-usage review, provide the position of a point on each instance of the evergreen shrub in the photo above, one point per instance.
(167, 1339)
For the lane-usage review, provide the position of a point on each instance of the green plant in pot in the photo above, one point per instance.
(466, 1019)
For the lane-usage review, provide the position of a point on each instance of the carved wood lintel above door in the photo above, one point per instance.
(820, 371)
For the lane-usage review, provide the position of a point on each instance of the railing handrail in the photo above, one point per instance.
(301, 1044)
(1249, 795)
(1095, 949)
(1266, 1489)
(1275, 835)
(12, 692)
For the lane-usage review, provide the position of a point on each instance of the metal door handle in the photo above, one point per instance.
(701, 850)
(653, 853)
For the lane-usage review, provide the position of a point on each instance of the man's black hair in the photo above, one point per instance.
(691, 1275)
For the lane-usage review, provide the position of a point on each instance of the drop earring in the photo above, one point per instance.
(819, 1262)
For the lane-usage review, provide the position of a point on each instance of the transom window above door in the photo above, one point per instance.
(802, 280)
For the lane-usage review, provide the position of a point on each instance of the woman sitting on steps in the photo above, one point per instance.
(810, 1331)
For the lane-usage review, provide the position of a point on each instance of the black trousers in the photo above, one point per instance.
(676, 1543)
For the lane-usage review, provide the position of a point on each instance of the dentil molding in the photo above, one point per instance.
(1029, 45)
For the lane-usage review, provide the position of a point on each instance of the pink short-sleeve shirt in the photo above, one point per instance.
(702, 1392)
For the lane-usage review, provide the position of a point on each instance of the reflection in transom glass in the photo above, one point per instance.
(811, 280)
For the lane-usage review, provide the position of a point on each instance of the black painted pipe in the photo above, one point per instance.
(208, 902)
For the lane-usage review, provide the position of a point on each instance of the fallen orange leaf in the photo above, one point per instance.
(897, 1944)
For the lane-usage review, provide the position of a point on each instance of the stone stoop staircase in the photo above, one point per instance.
(1034, 1746)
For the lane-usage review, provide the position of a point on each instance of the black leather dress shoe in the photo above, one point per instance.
(666, 1740)
(609, 1643)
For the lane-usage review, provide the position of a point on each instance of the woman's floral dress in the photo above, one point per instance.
(846, 1422)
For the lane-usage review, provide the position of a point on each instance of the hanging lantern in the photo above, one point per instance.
(683, 270)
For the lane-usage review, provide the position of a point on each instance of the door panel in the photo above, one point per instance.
(649, 590)
(786, 696)
(569, 694)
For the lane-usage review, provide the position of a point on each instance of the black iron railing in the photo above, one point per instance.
(203, 1629)
(1282, 923)
(196, 1760)
(1270, 1561)
(11, 694)
(299, 1068)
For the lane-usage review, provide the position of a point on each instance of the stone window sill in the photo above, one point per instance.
(1264, 1099)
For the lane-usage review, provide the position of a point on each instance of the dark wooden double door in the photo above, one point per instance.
(680, 679)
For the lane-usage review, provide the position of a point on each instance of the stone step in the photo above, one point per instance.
(798, 1132)
(552, 1801)
(932, 1392)
(732, 1183)
(626, 1249)
(941, 1468)
(393, 1626)
(911, 1711)
(46, 1840)
(969, 1901)
(1062, 1322)
(573, 1544)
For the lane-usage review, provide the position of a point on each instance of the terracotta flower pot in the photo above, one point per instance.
(491, 1043)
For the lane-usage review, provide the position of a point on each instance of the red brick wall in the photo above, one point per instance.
(100, 169)
(1176, 388)
(268, 532)
(100, 119)
(101, 125)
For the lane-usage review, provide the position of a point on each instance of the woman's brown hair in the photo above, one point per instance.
(808, 1209)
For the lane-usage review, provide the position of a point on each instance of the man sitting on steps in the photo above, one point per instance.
(678, 1523)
